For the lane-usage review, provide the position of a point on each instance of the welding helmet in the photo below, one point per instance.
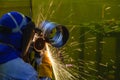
(15, 30)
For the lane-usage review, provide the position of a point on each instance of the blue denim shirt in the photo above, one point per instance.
(7, 53)
(17, 69)
(12, 67)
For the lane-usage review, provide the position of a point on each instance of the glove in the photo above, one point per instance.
(45, 68)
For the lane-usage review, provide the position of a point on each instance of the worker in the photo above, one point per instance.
(13, 28)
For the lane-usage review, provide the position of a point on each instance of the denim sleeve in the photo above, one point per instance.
(17, 69)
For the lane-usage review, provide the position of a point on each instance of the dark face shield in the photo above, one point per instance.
(28, 34)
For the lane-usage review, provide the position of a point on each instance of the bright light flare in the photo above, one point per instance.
(60, 71)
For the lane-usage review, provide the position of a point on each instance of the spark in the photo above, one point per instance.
(64, 71)
(49, 9)
(107, 8)
(60, 70)
(72, 28)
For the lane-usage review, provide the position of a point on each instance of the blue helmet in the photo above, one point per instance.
(15, 23)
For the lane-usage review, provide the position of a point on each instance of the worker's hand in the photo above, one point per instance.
(45, 69)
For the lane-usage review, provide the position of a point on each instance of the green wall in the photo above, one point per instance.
(72, 13)
(22, 6)
(75, 12)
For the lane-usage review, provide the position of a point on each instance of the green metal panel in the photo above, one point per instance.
(75, 12)
(15, 5)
